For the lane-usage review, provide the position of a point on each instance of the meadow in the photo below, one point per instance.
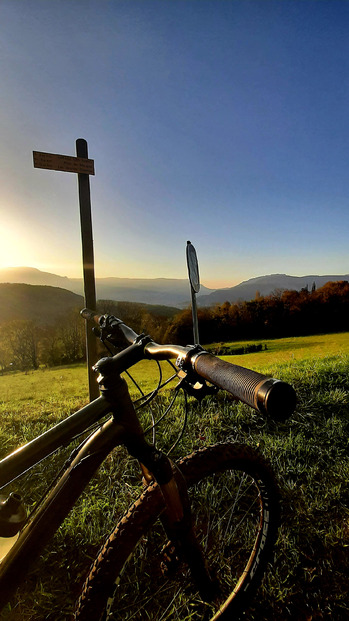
(309, 453)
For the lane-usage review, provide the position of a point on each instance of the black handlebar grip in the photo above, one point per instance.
(265, 394)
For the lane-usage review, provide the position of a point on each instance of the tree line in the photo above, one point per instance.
(280, 314)
(27, 345)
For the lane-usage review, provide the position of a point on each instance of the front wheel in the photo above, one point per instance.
(234, 500)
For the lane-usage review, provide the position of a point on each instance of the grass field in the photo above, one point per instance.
(52, 388)
(294, 348)
(309, 453)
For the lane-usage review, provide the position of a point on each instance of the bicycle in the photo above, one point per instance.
(197, 542)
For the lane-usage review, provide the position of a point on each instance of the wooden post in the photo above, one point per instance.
(83, 167)
(88, 265)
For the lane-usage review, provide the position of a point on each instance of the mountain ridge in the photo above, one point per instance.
(173, 292)
(265, 285)
(158, 291)
(42, 303)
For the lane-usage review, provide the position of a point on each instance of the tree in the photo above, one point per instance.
(22, 337)
(180, 330)
(51, 347)
(5, 357)
(72, 336)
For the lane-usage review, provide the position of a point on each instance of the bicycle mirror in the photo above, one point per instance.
(193, 267)
(193, 271)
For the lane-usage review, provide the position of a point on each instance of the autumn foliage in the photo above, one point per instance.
(26, 344)
(281, 314)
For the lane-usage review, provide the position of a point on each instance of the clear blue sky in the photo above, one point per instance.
(224, 122)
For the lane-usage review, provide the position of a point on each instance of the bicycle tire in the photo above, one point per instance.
(139, 526)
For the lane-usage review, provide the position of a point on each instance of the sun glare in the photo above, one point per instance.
(15, 251)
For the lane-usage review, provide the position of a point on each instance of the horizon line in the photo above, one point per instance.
(210, 286)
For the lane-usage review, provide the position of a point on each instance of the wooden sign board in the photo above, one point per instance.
(65, 163)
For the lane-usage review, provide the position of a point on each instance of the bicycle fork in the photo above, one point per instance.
(182, 537)
(155, 465)
(176, 518)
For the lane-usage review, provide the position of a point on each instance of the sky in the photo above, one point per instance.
(222, 122)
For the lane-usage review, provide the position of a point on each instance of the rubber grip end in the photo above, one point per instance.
(276, 398)
(88, 314)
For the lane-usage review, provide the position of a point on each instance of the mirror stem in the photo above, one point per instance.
(195, 317)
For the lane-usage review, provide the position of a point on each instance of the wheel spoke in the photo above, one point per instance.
(228, 512)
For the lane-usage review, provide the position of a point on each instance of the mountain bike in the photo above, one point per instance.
(197, 542)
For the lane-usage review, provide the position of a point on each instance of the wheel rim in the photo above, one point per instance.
(230, 518)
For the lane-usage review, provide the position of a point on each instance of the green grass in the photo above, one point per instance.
(309, 453)
(290, 349)
(52, 388)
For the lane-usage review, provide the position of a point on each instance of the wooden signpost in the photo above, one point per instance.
(83, 167)
(64, 163)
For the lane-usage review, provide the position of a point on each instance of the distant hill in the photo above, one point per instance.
(36, 302)
(265, 285)
(33, 276)
(46, 304)
(161, 291)
(172, 292)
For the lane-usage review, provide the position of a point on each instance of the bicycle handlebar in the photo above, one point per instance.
(265, 394)
(113, 324)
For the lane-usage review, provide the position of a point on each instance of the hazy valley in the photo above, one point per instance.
(164, 291)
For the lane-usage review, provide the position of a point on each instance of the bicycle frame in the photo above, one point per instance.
(122, 427)
(35, 451)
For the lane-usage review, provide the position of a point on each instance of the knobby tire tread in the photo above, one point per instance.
(145, 511)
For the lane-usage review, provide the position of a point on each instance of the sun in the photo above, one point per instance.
(15, 250)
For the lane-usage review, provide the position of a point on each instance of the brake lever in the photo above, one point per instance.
(194, 385)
